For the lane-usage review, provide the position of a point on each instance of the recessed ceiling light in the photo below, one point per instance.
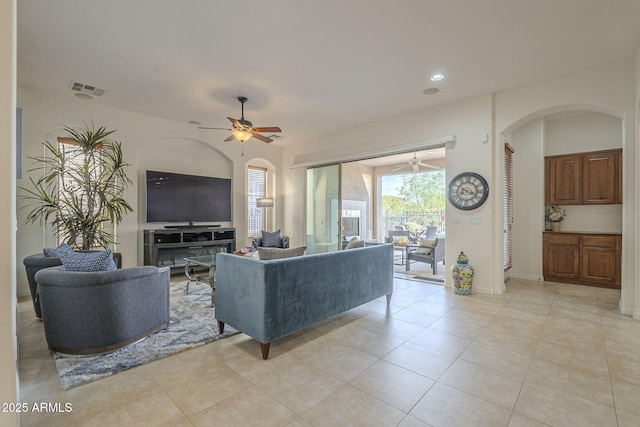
(437, 77)
(431, 91)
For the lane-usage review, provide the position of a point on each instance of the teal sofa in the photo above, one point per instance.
(268, 300)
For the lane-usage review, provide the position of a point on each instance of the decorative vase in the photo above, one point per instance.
(555, 226)
(462, 273)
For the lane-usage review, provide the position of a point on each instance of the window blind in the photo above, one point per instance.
(508, 206)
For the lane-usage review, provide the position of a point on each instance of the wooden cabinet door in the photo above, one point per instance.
(599, 178)
(561, 257)
(562, 180)
(601, 260)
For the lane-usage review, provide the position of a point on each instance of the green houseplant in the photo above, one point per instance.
(80, 192)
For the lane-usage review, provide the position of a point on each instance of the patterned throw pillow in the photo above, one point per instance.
(55, 252)
(266, 254)
(88, 261)
(271, 239)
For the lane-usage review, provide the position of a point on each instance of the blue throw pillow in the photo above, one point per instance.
(271, 239)
(55, 252)
(88, 261)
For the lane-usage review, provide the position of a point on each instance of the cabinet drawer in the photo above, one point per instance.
(602, 241)
(563, 239)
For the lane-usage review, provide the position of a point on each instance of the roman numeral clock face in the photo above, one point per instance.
(468, 191)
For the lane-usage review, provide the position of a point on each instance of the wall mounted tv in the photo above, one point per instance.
(174, 197)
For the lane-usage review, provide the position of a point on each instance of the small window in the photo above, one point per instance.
(256, 189)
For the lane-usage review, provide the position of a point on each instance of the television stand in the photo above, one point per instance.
(183, 227)
(169, 248)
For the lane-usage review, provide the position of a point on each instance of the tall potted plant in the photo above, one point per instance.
(80, 193)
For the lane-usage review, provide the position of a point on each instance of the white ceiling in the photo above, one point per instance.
(311, 67)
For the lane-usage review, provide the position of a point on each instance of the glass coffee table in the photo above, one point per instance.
(208, 261)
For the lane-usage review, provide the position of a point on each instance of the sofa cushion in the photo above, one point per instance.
(425, 242)
(88, 261)
(266, 254)
(271, 239)
(355, 243)
(55, 252)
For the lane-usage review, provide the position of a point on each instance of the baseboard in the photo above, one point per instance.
(533, 277)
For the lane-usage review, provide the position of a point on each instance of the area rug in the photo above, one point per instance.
(421, 272)
(192, 324)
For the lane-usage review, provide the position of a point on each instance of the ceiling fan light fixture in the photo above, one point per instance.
(241, 134)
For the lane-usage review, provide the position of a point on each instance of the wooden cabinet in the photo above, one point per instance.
(591, 178)
(582, 258)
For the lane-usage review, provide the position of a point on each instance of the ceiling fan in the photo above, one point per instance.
(243, 129)
(415, 165)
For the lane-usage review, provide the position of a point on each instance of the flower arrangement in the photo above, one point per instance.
(555, 214)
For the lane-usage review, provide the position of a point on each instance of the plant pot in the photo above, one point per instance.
(555, 226)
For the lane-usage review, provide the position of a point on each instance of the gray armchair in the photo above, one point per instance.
(96, 312)
(36, 262)
(430, 232)
(33, 264)
(430, 254)
(285, 241)
(398, 233)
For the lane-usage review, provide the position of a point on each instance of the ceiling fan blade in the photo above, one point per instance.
(268, 129)
(415, 167)
(261, 137)
(231, 138)
(235, 122)
(203, 127)
(397, 169)
(428, 166)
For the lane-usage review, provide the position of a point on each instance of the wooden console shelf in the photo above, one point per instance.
(169, 247)
(591, 259)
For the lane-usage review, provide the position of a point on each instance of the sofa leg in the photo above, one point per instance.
(265, 350)
(220, 327)
(389, 298)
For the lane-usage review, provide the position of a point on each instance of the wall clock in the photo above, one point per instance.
(468, 191)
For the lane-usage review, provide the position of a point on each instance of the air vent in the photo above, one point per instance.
(86, 89)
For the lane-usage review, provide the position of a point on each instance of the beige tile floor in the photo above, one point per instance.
(540, 354)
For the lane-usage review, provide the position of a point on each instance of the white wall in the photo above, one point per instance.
(528, 200)
(9, 385)
(608, 90)
(147, 142)
(356, 194)
(466, 119)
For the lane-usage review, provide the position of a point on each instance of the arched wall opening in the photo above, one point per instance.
(561, 129)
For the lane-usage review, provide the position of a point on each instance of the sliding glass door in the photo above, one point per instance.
(323, 209)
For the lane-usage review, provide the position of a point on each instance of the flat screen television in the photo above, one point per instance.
(174, 197)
